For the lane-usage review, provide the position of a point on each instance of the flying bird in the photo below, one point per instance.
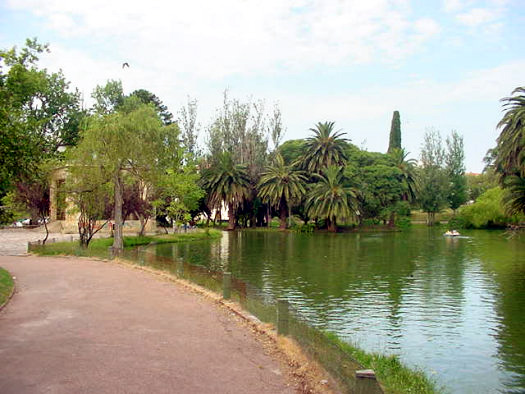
(125, 64)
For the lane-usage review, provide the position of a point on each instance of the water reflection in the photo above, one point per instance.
(451, 306)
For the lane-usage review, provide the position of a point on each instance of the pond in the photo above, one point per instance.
(454, 307)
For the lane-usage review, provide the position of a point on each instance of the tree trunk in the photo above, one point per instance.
(231, 217)
(118, 243)
(332, 227)
(392, 220)
(283, 214)
(143, 221)
(47, 230)
(430, 218)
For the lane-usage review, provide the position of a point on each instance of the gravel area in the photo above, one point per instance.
(13, 241)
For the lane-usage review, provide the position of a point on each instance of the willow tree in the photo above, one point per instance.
(280, 186)
(129, 143)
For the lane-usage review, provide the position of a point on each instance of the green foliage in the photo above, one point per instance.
(147, 97)
(383, 187)
(455, 169)
(38, 113)
(189, 128)
(325, 148)
(403, 222)
(292, 150)
(108, 97)
(457, 222)
(12, 208)
(182, 193)
(433, 189)
(477, 184)
(487, 211)
(307, 228)
(395, 133)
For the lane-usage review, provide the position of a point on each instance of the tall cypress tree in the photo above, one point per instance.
(395, 133)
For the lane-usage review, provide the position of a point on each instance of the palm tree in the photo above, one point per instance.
(280, 186)
(510, 150)
(325, 148)
(329, 199)
(408, 173)
(226, 182)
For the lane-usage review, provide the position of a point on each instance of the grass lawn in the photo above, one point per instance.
(6, 285)
(99, 247)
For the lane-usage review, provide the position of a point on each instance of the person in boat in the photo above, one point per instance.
(452, 233)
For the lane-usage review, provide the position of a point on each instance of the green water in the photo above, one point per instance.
(453, 307)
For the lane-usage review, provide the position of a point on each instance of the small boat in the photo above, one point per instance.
(452, 233)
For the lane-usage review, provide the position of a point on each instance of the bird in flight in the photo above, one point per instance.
(125, 64)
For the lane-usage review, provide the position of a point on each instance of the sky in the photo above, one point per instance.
(443, 64)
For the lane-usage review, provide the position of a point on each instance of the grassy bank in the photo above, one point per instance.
(99, 247)
(393, 375)
(6, 286)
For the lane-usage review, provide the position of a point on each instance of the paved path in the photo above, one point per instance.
(85, 326)
(13, 242)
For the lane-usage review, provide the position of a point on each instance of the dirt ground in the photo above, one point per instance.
(78, 326)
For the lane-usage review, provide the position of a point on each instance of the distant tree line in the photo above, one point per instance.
(128, 154)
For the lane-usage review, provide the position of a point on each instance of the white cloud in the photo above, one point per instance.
(477, 16)
(216, 39)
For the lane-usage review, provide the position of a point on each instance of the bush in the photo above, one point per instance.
(456, 222)
(304, 228)
(403, 208)
(403, 222)
(371, 222)
(488, 211)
